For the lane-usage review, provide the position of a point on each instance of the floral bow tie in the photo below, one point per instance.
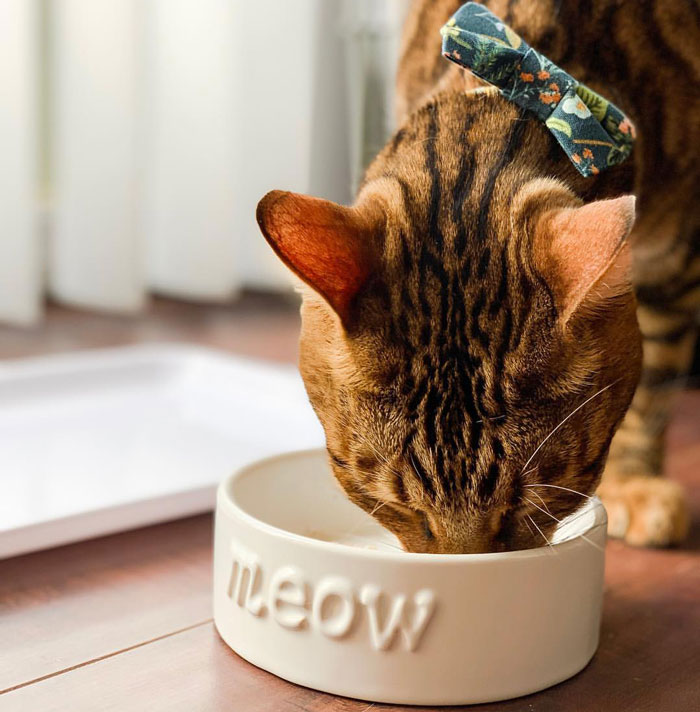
(593, 132)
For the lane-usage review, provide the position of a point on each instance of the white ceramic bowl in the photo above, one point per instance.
(309, 587)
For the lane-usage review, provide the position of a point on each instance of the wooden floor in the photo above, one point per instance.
(255, 325)
(124, 622)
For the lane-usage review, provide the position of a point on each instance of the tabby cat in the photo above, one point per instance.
(470, 335)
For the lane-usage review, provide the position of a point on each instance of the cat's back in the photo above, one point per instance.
(622, 42)
(642, 54)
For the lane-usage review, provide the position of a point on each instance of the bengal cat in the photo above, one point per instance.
(470, 339)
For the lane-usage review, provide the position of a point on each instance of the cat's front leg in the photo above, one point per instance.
(644, 510)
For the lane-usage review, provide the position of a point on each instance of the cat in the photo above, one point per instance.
(471, 325)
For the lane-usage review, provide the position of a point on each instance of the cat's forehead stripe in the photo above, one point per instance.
(449, 391)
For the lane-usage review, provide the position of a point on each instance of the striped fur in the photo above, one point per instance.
(455, 386)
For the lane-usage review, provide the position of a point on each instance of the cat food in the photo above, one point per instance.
(311, 588)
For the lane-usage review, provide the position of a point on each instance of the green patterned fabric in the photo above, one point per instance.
(593, 132)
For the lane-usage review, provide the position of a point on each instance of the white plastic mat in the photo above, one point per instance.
(102, 441)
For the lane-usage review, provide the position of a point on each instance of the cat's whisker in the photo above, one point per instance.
(359, 524)
(569, 519)
(391, 546)
(581, 512)
(377, 454)
(573, 412)
(556, 519)
(496, 417)
(567, 489)
(549, 543)
(537, 494)
(371, 475)
(529, 527)
(377, 508)
(530, 502)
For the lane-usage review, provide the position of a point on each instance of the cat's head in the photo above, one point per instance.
(469, 339)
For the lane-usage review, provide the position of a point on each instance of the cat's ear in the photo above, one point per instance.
(326, 245)
(584, 252)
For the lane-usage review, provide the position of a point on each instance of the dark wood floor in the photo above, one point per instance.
(124, 622)
(256, 324)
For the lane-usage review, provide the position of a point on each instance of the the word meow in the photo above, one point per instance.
(331, 606)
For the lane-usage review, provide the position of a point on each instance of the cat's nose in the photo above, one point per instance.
(470, 544)
(464, 532)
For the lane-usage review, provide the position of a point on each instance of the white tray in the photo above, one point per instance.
(101, 441)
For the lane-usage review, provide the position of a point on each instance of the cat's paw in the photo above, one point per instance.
(645, 511)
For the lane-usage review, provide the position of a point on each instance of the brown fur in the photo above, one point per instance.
(480, 347)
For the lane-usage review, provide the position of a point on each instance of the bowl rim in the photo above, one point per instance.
(225, 503)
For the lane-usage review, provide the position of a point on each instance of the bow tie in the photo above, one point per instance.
(593, 132)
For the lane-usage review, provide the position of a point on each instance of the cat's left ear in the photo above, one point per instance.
(584, 253)
(328, 246)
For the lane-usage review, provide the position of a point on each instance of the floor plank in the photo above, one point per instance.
(256, 324)
(61, 607)
(191, 671)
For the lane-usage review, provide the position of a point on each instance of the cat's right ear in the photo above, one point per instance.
(588, 258)
(328, 246)
(581, 250)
